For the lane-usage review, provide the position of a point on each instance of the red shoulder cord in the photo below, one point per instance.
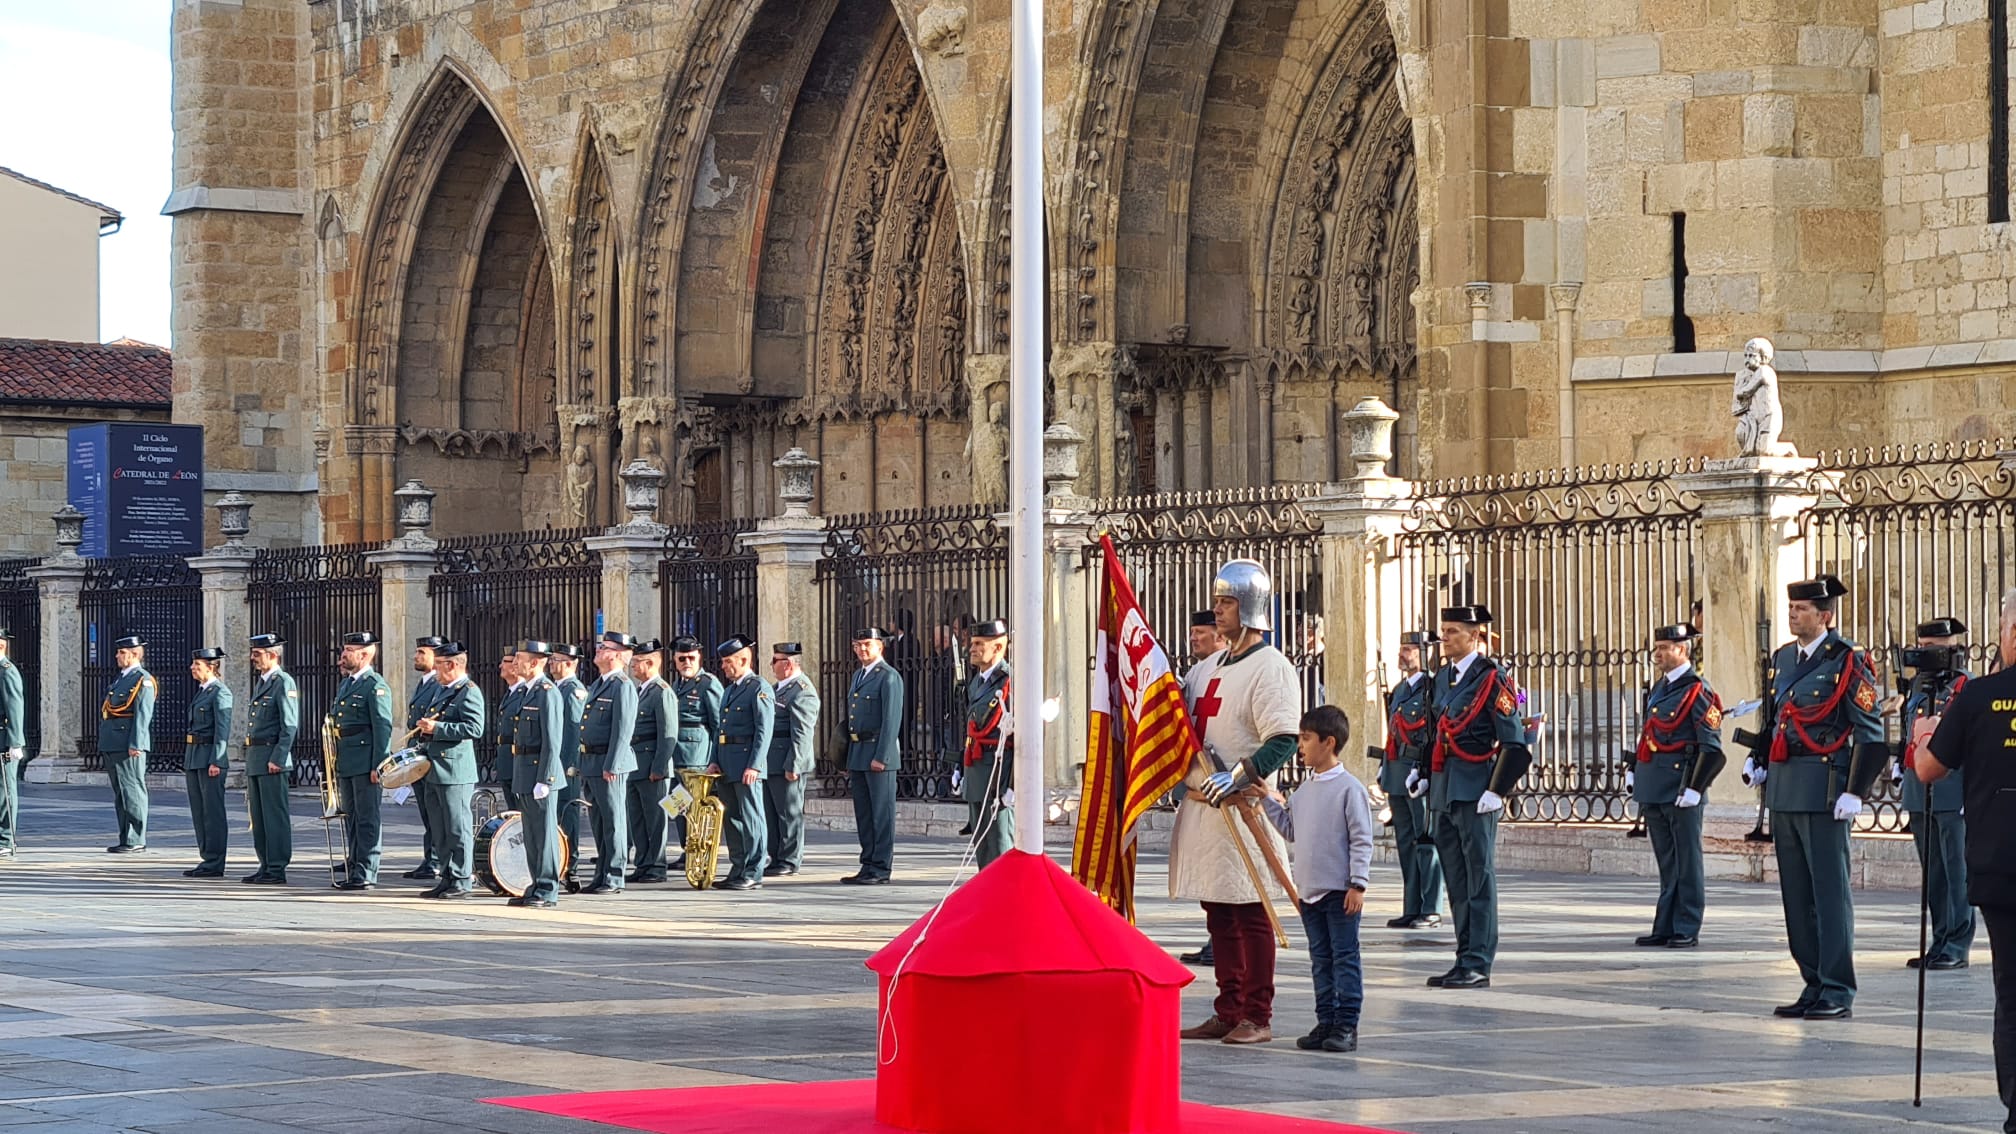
(979, 738)
(1795, 719)
(1400, 734)
(1447, 731)
(1661, 736)
(1910, 734)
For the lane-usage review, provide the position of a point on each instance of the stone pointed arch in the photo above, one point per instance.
(592, 380)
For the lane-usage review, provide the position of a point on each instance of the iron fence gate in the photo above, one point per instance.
(1916, 533)
(707, 587)
(21, 618)
(1173, 545)
(312, 596)
(1578, 567)
(489, 592)
(159, 598)
(925, 577)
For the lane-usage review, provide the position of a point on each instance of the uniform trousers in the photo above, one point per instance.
(569, 818)
(1414, 846)
(1676, 848)
(363, 825)
(875, 819)
(1942, 851)
(542, 850)
(454, 829)
(207, 815)
(743, 823)
(430, 849)
(1812, 849)
(10, 775)
(993, 829)
(129, 797)
(611, 827)
(1242, 946)
(272, 825)
(2001, 923)
(648, 825)
(1467, 844)
(784, 820)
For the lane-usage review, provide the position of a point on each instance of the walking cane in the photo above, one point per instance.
(1924, 943)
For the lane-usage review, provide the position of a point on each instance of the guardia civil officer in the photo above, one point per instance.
(1938, 672)
(1977, 735)
(748, 720)
(537, 772)
(988, 775)
(699, 696)
(206, 761)
(13, 742)
(1679, 752)
(273, 719)
(502, 723)
(793, 756)
(874, 755)
(652, 740)
(562, 667)
(125, 736)
(425, 691)
(362, 714)
(606, 761)
(449, 732)
(1407, 744)
(1479, 752)
(1824, 753)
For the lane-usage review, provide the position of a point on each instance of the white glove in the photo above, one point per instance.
(1848, 806)
(958, 778)
(1416, 786)
(1688, 798)
(1753, 773)
(1008, 797)
(1897, 773)
(541, 791)
(1629, 779)
(1489, 802)
(16, 753)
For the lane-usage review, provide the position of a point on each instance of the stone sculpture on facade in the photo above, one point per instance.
(1758, 417)
(579, 487)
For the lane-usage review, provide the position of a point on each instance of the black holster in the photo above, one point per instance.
(1513, 763)
(1708, 763)
(1867, 764)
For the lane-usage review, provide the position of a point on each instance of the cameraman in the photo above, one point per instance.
(1937, 671)
(1978, 734)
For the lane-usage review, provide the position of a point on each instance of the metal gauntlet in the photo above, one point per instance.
(1224, 786)
(1865, 767)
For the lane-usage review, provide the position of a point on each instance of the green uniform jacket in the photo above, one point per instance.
(536, 724)
(275, 717)
(452, 748)
(875, 718)
(986, 715)
(794, 741)
(363, 716)
(655, 734)
(209, 738)
(13, 707)
(1808, 780)
(748, 717)
(607, 716)
(699, 720)
(126, 720)
(1491, 728)
(1664, 775)
(424, 693)
(504, 726)
(573, 698)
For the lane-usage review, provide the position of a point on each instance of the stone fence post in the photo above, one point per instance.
(630, 553)
(227, 574)
(59, 581)
(1361, 580)
(787, 550)
(404, 566)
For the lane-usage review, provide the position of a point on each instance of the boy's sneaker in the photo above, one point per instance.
(1314, 1040)
(1341, 1039)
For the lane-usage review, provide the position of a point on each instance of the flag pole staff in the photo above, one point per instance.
(1026, 575)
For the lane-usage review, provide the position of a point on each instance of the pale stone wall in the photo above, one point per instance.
(55, 240)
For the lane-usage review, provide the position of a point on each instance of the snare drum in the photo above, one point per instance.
(402, 768)
(501, 862)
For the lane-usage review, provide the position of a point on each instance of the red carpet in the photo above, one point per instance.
(845, 1107)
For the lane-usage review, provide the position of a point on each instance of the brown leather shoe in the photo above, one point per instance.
(1217, 1027)
(1249, 1032)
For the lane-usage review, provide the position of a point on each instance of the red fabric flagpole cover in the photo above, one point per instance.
(1027, 977)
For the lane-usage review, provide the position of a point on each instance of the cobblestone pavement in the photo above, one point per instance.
(135, 999)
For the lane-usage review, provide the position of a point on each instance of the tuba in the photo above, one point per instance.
(703, 827)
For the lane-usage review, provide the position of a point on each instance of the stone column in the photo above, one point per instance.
(404, 566)
(1750, 550)
(787, 550)
(1566, 296)
(630, 553)
(1067, 527)
(227, 572)
(1361, 579)
(59, 580)
(1086, 375)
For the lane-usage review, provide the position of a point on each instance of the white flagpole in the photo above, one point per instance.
(1026, 575)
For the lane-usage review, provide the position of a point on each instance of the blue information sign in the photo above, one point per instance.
(140, 488)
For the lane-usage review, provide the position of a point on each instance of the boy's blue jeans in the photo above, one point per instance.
(1333, 959)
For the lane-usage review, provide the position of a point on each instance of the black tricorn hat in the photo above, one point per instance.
(1204, 618)
(449, 650)
(535, 647)
(619, 640)
(360, 638)
(266, 641)
(1474, 615)
(1678, 632)
(734, 645)
(996, 628)
(567, 650)
(870, 634)
(1942, 628)
(788, 649)
(685, 644)
(1416, 638)
(1818, 588)
(129, 642)
(430, 642)
(647, 647)
(207, 653)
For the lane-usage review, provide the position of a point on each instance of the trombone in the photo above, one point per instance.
(332, 810)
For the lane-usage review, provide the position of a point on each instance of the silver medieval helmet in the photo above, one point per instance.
(1247, 581)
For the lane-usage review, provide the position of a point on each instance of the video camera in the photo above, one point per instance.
(1931, 659)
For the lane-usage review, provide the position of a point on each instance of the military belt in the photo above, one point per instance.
(863, 737)
(595, 749)
(347, 733)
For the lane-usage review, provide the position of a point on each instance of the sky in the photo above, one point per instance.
(84, 106)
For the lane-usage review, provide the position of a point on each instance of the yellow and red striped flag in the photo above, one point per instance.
(1138, 747)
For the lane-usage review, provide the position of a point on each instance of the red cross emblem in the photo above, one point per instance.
(1207, 707)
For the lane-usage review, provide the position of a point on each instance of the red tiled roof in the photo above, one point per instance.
(125, 373)
(106, 213)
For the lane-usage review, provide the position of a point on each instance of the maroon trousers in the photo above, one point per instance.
(1243, 944)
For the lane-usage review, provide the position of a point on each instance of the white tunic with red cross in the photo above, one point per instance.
(1236, 709)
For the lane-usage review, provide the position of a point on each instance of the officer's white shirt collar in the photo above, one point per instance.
(207, 684)
(870, 667)
(743, 678)
(1679, 671)
(361, 671)
(129, 669)
(989, 671)
(1464, 663)
(1412, 680)
(459, 682)
(1806, 652)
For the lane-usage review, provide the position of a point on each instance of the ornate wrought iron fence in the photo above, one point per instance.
(1578, 567)
(489, 592)
(312, 596)
(1173, 545)
(924, 576)
(160, 598)
(21, 618)
(707, 585)
(1917, 533)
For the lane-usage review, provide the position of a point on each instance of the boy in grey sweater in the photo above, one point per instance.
(1330, 822)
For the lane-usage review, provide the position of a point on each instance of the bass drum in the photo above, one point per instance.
(501, 862)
